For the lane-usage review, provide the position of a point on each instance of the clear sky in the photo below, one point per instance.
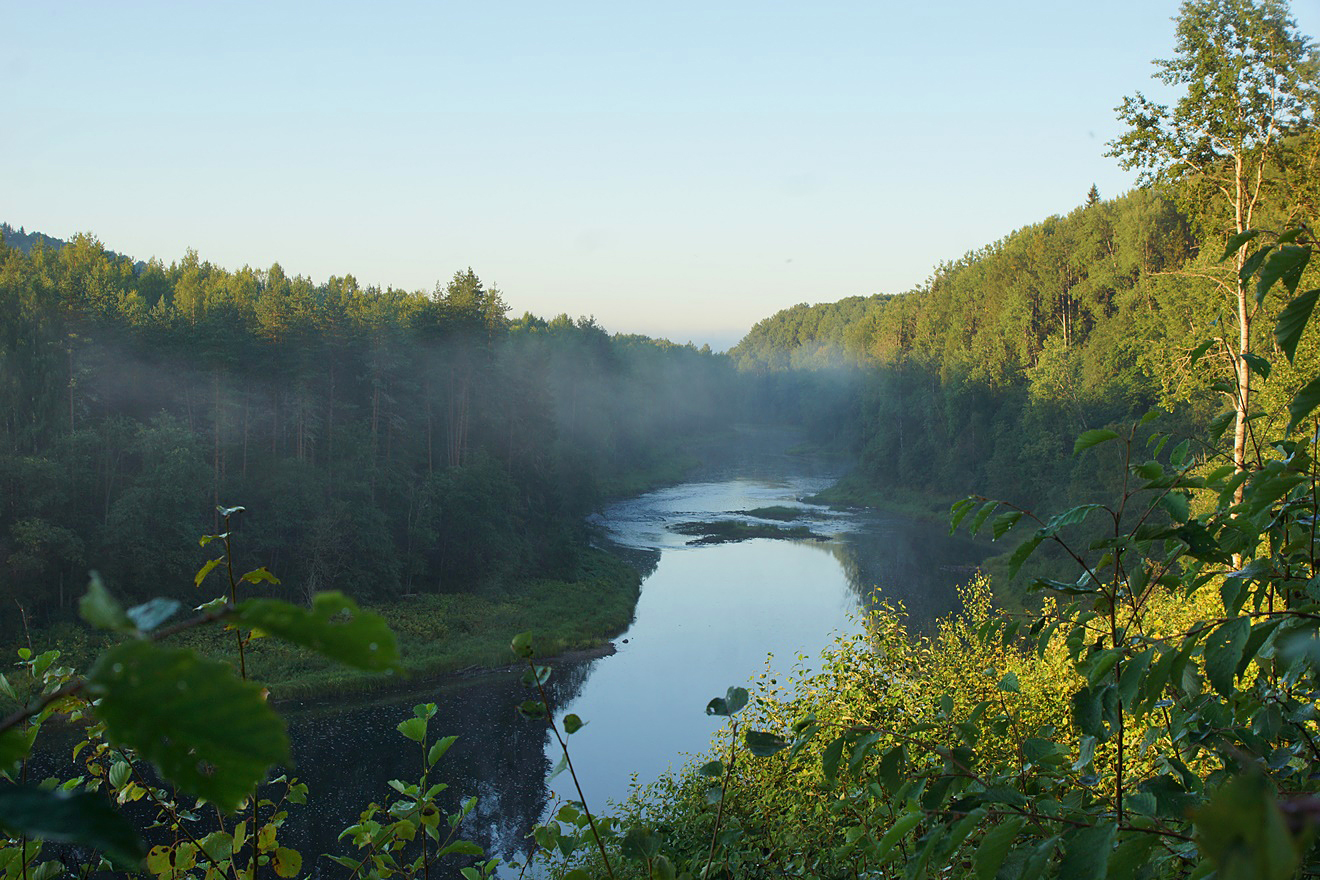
(679, 169)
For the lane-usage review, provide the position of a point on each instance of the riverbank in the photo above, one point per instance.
(852, 491)
(438, 634)
(1008, 593)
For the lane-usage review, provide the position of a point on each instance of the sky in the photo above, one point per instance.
(682, 169)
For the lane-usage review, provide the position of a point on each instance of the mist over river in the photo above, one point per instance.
(709, 616)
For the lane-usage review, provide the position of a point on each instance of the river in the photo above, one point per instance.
(711, 615)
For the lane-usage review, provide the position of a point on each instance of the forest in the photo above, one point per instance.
(402, 442)
(1125, 397)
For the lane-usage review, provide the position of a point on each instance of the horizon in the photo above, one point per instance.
(680, 173)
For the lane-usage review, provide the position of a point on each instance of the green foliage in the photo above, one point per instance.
(390, 443)
(334, 626)
(210, 733)
(212, 740)
(80, 817)
(1156, 718)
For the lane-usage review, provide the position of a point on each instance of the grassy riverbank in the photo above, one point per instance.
(854, 491)
(438, 634)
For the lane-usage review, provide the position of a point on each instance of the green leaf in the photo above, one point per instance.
(1086, 711)
(729, 704)
(1040, 856)
(1134, 672)
(736, 698)
(286, 862)
(334, 627)
(535, 674)
(1303, 403)
(1286, 264)
(259, 575)
(81, 818)
(1023, 552)
(208, 732)
(829, 759)
(712, 769)
(13, 748)
(1223, 650)
(763, 745)
(1038, 750)
(1010, 683)
(438, 750)
(1004, 522)
(101, 610)
(533, 710)
(1293, 320)
(560, 766)
(1061, 587)
(994, 847)
(120, 773)
(958, 512)
(1199, 352)
(522, 645)
(572, 723)
(1236, 242)
(1086, 852)
(152, 614)
(1100, 664)
(1131, 856)
(639, 844)
(206, 569)
(413, 728)
(1093, 438)
(1245, 834)
(1085, 751)
(1177, 505)
(891, 767)
(1070, 517)
(663, 869)
(462, 848)
(1253, 263)
(981, 516)
(1257, 364)
(897, 832)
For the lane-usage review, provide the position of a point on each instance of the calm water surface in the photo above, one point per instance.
(708, 618)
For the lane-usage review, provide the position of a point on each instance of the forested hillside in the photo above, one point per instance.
(979, 379)
(385, 442)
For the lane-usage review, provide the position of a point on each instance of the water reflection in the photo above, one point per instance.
(707, 618)
(906, 561)
(347, 754)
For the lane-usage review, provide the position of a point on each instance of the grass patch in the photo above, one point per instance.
(437, 634)
(665, 470)
(777, 512)
(727, 530)
(852, 491)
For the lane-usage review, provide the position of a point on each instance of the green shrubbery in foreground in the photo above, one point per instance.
(1156, 717)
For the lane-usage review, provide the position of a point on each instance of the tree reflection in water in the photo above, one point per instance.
(348, 755)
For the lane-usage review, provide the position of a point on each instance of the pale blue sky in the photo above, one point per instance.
(679, 169)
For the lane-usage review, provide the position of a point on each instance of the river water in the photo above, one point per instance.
(710, 616)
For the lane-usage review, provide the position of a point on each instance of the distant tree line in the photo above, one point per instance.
(383, 441)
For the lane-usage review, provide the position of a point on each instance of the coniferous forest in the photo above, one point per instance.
(405, 443)
(1124, 398)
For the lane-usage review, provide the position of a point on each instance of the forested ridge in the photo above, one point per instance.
(981, 377)
(383, 441)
